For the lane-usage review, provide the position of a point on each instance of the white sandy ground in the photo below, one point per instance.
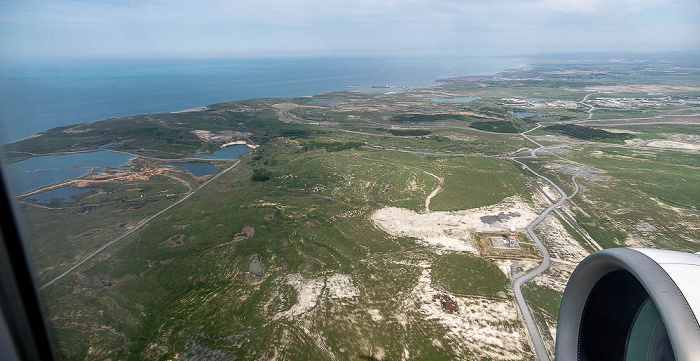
(548, 190)
(523, 265)
(556, 276)
(341, 286)
(673, 145)
(310, 290)
(219, 136)
(485, 328)
(558, 241)
(639, 88)
(451, 230)
(375, 314)
(200, 109)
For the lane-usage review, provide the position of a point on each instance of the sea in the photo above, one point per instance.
(39, 95)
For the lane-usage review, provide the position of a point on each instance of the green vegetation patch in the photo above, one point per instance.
(295, 133)
(473, 182)
(409, 132)
(498, 126)
(588, 133)
(332, 146)
(469, 275)
(414, 118)
(260, 175)
(543, 298)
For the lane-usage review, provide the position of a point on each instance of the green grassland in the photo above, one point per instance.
(635, 195)
(544, 304)
(661, 131)
(308, 192)
(475, 182)
(154, 304)
(63, 235)
(469, 275)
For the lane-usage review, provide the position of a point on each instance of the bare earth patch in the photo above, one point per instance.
(341, 286)
(219, 136)
(484, 328)
(643, 88)
(556, 276)
(673, 145)
(175, 241)
(558, 241)
(246, 233)
(310, 291)
(453, 230)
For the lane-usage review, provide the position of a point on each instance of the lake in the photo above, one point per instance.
(255, 266)
(230, 152)
(199, 169)
(41, 171)
(63, 194)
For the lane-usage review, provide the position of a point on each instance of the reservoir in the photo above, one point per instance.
(230, 152)
(37, 172)
(63, 194)
(199, 169)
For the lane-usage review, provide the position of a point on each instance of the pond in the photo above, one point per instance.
(230, 152)
(255, 266)
(199, 169)
(62, 195)
(37, 172)
(453, 100)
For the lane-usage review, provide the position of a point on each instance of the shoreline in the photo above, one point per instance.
(190, 110)
(438, 81)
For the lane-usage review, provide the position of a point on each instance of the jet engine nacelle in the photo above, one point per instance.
(631, 304)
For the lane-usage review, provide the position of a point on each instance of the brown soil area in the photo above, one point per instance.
(447, 303)
(246, 233)
(175, 241)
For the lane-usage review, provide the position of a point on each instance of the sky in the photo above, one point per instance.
(50, 29)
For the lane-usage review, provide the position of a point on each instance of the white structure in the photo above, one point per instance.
(512, 242)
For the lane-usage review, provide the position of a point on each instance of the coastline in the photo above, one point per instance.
(27, 118)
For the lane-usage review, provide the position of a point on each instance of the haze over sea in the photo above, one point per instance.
(36, 96)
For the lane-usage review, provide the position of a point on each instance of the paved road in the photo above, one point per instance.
(535, 335)
(534, 332)
(75, 266)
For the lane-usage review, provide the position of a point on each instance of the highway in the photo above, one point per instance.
(139, 226)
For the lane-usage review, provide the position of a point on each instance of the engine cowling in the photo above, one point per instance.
(631, 304)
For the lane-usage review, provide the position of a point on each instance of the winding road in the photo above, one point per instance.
(535, 335)
(517, 283)
(139, 226)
